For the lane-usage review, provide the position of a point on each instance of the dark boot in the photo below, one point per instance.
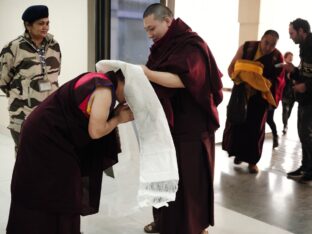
(285, 129)
(275, 141)
(237, 161)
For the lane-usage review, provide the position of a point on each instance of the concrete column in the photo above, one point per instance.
(170, 5)
(91, 35)
(248, 18)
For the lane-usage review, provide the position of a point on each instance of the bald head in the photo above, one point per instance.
(159, 11)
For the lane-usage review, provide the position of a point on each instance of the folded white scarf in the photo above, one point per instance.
(158, 173)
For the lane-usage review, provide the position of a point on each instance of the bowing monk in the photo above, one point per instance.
(244, 141)
(188, 84)
(65, 145)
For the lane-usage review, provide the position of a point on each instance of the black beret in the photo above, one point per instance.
(35, 12)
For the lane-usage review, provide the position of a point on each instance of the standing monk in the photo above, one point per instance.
(245, 140)
(187, 81)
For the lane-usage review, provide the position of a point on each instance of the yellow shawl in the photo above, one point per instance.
(251, 72)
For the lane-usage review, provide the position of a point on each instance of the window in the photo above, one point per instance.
(118, 32)
(128, 38)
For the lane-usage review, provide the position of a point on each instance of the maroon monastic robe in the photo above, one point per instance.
(193, 118)
(58, 171)
(245, 141)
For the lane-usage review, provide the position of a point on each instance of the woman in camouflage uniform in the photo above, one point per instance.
(29, 67)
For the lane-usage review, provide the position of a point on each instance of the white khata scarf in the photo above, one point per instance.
(158, 172)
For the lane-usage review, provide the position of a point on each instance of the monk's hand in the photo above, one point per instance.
(145, 69)
(123, 113)
(300, 87)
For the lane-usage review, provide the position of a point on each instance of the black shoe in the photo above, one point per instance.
(237, 162)
(253, 169)
(151, 228)
(295, 174)
(285, 130)
(275, 141)
(305, 179)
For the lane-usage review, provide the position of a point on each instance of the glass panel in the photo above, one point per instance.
(128, 38)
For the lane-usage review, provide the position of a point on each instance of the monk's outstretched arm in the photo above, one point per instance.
(165, 79)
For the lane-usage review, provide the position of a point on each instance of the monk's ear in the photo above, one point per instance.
(168, 20)
(300, 31)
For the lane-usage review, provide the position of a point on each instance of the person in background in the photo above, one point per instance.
(29, 67)
(65, 144)
(244, 141)
(271, 123)
(300, 33)
(288, 99)
(270, 115)
(271, 110)
(188, 84)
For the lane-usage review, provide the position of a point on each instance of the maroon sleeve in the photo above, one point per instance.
(202, 78)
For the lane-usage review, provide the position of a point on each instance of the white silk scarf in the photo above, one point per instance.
(157, 178)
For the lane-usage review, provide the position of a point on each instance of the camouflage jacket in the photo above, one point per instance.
(22, 67)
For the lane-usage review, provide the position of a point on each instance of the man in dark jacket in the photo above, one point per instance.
(300, 33)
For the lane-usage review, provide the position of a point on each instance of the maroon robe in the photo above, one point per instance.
(58, 170)
(245, 141)
(193, 118)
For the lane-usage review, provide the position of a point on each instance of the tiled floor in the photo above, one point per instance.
(266, 203)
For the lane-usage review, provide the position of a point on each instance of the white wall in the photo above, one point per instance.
(216, 21)
(68, 23)
(277, 14)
